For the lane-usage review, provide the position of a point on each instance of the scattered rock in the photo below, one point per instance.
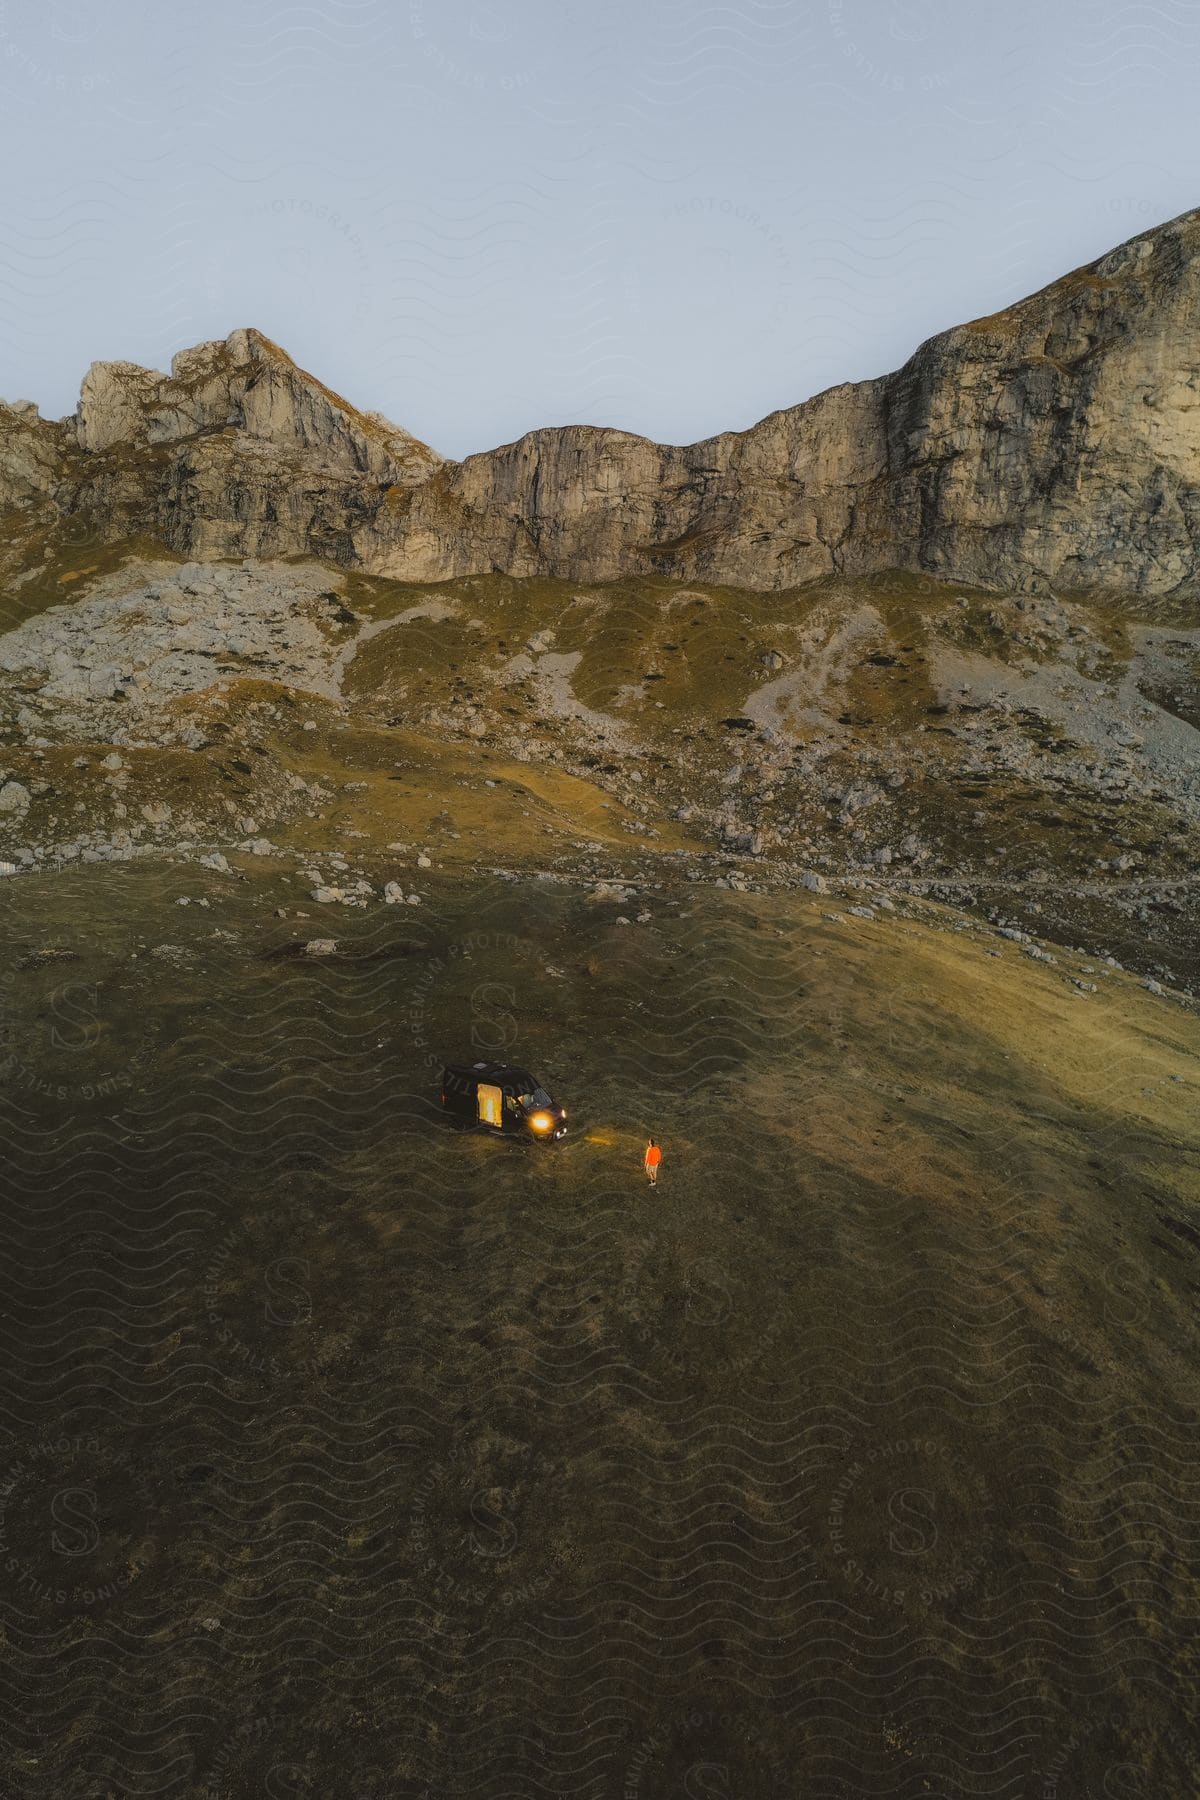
(14, 797)
(612, 890)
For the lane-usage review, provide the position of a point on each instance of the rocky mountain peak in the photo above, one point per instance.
(246, 384)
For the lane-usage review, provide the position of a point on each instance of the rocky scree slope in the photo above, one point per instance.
(1055, 442)
(1031, 757)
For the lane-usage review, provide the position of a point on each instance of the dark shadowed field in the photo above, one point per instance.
(345, 1454)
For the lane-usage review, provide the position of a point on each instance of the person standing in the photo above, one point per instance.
(652, 1160)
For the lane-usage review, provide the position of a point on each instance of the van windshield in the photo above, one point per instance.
(539, 1097)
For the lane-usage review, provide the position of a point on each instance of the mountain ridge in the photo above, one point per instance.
(1055, 442)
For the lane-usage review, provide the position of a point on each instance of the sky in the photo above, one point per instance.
(479, 216)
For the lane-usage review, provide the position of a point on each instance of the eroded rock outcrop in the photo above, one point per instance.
(32, 450)
(1057, 442)
(250, 386)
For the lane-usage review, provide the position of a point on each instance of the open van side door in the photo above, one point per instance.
(491, 1105)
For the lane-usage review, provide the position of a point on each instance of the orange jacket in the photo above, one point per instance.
(653, 1156)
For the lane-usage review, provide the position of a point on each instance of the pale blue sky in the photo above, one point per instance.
(479, 215)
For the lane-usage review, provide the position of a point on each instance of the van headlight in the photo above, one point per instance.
(541, 1122)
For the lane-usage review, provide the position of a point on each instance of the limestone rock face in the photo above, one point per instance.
(31, 454)
(250, 386)
(762, 508)
(1055, 442)
(1060, 439)
(236, 452)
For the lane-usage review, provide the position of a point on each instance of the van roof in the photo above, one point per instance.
(500, 1073)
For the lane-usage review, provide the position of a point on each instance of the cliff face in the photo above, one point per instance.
(32, 451)
(764, 508)
(1062, 436)
(1056, 441)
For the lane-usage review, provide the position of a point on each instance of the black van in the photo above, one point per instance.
(502, 1099)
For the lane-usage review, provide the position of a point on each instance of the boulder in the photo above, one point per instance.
(14, 797)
